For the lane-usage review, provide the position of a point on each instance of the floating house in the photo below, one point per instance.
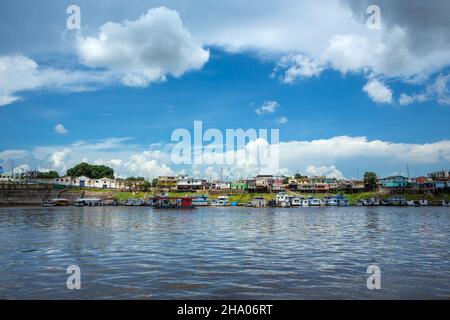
(173, 203)
(259, 202)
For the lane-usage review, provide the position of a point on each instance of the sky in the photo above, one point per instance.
(346, 97)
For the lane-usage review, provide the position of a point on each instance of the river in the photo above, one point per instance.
(225, 253)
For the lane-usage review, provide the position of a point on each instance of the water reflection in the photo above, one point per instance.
(231, 253)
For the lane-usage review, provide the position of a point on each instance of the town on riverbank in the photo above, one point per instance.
(92, 185)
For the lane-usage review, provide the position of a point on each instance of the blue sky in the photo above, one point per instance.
(337, 112)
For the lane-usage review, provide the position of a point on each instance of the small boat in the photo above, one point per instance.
(200, 201)
(315, 202)
(88, 202)
(283, 200)
(417, 203)
(331, 201)
(395, 201)
(221, 201)
(56, 203)
(259, 202)
(296, 201)
(173, 203)
(48, 204)
(305, 203)
(134, 203)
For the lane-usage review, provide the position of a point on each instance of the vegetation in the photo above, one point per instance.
(91, 171)
(370, 181)
(48, 175)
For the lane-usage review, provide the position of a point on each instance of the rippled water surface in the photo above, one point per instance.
(226, 253)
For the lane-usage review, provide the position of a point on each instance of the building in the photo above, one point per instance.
(440, 175)
(263, 183)
(278, 184)
(186, 183)
(219, 185)
(169, 182)
(239, 185)
(394, 182)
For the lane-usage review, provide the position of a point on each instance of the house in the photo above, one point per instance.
(220, 185)
(259, 202)
(278, 184)
(185, 183)
(264, 183)
(440, 175)
(394, 182)
(239, 185)
(169, 182)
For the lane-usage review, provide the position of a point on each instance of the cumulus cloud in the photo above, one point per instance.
(438, 90)
(281, 120)
(267, 107)
(378, 91)
(298, 66)
(145, 50)
(406, 99)
(335, 157)
(19, 73)
(60, 129)
(328, 171)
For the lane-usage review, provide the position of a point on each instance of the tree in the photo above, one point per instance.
(155, 182)
(48, 175)
(370, 181)
(91, 171)
(286, 180)
(146, 186)
(135, 179)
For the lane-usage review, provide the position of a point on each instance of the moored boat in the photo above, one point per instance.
(173, 203)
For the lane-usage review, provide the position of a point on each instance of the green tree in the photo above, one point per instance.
(91, 171)
(155, 182)
(286, 180)
(370, 181)
(48, 175)
(146, 186)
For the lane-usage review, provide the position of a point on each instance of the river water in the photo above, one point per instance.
(225, 253)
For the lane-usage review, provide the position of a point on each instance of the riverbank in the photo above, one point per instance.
(36, 197)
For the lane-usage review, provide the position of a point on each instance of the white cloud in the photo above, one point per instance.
(145, 50)
(328, 171)
(281, 120)
(441, 88)
(337, 156)
(298, 66)
(58, 158)
(267, 107)
(60, 129)
(378, 91)
(406, 99)
(19, 73)
(13, 154)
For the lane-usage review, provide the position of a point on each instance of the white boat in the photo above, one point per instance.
(331, 201)
(221, 201)
(296, 201)
(282, 200)
(315, 202)
(88, 202)
(200, 201)
(305, 203)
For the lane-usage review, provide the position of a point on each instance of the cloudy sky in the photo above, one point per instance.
(346, 98)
